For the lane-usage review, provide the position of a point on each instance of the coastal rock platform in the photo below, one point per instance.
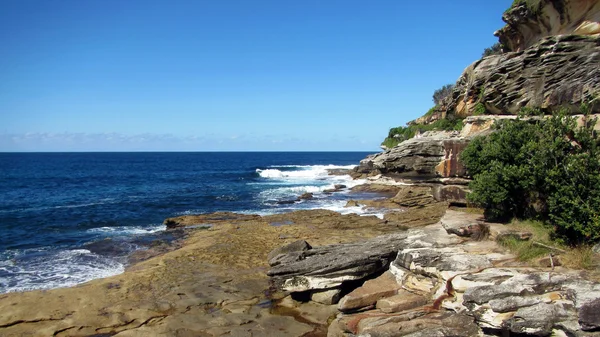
(422, 270)
(213, 283)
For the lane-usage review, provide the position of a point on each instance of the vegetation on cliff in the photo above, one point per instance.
(441, 93)
(399, 134)
(495, 49)
(546, 168)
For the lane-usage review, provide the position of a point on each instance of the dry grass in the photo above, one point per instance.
(468, 209)
(581, 257)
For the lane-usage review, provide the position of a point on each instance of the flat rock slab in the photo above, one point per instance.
(403, 300)
(329, 266)
(370, 292)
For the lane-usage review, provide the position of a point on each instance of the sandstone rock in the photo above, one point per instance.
(329, 266)
(418, 216)
(435, 154)
(404, 300)
(589, 315)
(376, 188)
(529, 23)
(413, 196)
(339, 172)
(538, 319)
(558, 72)
(370, 292)
(294, 247)
(512, 303)
(306, 196)
(328, 297)
(208, 219)
(436, 324)
(310, 312)
(454, 194)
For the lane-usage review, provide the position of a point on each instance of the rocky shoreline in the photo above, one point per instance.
(211, 282)
(320, 273)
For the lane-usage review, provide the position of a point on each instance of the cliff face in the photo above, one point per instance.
(557, 72)
(551, 61)
(529, 21)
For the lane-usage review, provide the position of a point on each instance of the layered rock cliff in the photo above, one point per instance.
(551, 62)
(527, 22)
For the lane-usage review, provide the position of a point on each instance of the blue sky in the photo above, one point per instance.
(227, 75)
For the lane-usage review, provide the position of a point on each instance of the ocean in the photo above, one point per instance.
(67, 218)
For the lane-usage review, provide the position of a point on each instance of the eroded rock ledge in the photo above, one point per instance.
(431, 282)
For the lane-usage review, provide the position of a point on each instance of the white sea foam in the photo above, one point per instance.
(340, 207)
(330, 166)
(62, 268)
(304, 172)
(128, 230)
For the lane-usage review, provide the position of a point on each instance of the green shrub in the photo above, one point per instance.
(399, 134)
(441, 93)
(543, 168)
(495, 49)
(479, 109)
(430, 111)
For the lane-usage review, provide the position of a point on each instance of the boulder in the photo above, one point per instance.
(352, 203)
(589, 315)
(435, 154)
(306, 196)
(454, 194)
(404, 300)
(294, 247)
(328, 297)
(329, 266)
(336, 188)
(370, 292)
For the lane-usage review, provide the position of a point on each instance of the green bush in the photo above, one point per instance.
(399, 134)
(495, 49)
(539, 168)
(441, 93)
(479, 109)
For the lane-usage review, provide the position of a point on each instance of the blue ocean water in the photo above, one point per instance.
(56, 207)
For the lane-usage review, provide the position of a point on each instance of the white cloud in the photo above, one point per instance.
(111, 141)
